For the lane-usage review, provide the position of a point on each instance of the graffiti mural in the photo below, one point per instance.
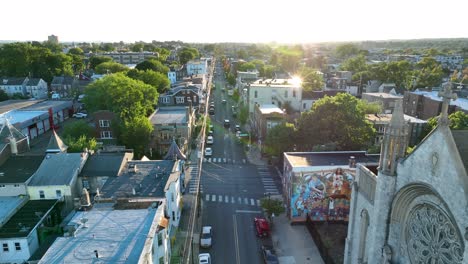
(322, 195)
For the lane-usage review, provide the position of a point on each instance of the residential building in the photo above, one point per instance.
(62, 85)
(187, 95)
(36, 88)
(310, 97)
(9, 205)
(53, 39)
(424, 104)
(16, 172)
(172, 76)
(176, 74)
(56, 178)
(387, 101)
(380, 121)
(113, 236)
(412, 204)
(19, 235)
(129, 57)
(103, 125)
(100, 167)
(317, 185)
(12, 86)
(280, 92)
(171, 123)
(199, 66)
(266, 117)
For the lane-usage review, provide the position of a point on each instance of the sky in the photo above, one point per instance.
(211, 21)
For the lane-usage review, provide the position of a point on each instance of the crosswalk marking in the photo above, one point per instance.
(232, 200)
(226, 199)
(208, 197)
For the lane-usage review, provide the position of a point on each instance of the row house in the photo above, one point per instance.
(386, 100)
(30, 87)
(424, 105)
(189, 95)
(62, 85)
(199, 66)
(266, 117)
(129, 57)
(280, 92)
(176, 74)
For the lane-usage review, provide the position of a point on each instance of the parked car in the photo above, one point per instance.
(269, 256)
(80, 115)
(210, 133)
(238, 128)
(208, 152)
(204, 258)
(262, 227)
(206, 237)
(209, 140)
(227, 123)
(224, 101)
(55, 96)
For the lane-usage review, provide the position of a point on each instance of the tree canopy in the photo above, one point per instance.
(187, 54)
(155, 79)
(311, 80)
(346, 50)
(152, 64)
(96, 60)
(110, 67)
(280, 139)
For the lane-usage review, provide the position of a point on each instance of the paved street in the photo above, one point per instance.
(231, 189)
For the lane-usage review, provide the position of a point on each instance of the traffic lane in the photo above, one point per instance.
(249, 244)
(219, 217)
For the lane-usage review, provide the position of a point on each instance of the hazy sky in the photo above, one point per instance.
(232, 21)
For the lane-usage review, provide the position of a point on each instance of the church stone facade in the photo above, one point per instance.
(415, 208)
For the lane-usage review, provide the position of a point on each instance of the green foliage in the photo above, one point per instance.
(186, 54)
(339, 119)
(162, 53)
(311, 80)
(289, 57)
(126, 97)
(136, 133)
(280, 139)
(246, 66)
(106, 47)
(77, 129)
(236, 96)
(243, 114)
(137, 47)
(76, 51)
(153, 65)
(96, 60)
(110, 67)
(231, 79)
(354, 64)
(458, 120)
(80, 144)
(428, 73)
(346, 50)
(272, 206)
(3, 96)
(155, 79)
(371, 108)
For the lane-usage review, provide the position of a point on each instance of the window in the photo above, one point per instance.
(17, 246)
(85, 184)
(104, 123)
(106, 134)
(194, 99)
(16, 185)
(304, 106)
(172, 197)
(58, 193)
(2, 185)
(294, 93)
(160, 239)
(41, 195)
(5, 247)
(180, 100)
(173, 216)
(165, 100)
(286, 94)
(255, 94)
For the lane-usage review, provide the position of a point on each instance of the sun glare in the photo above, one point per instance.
(296, 80)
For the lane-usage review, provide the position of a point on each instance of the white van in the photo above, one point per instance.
(55, 96)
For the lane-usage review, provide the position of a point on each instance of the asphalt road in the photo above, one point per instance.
(232, 189)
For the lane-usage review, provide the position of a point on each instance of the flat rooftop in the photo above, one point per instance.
(103, 164)
(8, 205)
(385, 118)
(20, 116)
(270, 108)
(18, 169)
(45, 105)
(149, 180)
(277, 82)
(21, 223)
(382, 95)
(460, 102)
(169, 115)
(9, 105)
(57, 169)
(118, 236)
(331, 158)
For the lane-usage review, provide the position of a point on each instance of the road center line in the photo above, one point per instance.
(236, 239)
(247, 212)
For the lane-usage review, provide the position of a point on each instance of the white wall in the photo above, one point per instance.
(173, 197)
(49, 191)
(19, 256)
(265, 94)
(12, 189)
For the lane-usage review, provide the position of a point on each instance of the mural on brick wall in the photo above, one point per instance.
(322, 195)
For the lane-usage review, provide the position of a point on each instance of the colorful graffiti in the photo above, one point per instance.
(322, 195)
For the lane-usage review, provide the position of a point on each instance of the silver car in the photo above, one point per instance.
(206, 237)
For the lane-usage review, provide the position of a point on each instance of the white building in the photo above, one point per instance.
(197, 67)
(36, 88)
(275, 91)
(24, 86)
(172, 76)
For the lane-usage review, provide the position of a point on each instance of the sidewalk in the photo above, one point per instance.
(293, 244)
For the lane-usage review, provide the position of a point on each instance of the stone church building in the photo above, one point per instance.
(413, 208)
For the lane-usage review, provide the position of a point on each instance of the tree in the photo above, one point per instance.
(80, 144)
(346, 50)
(155, 79)
(186, 54)
(272, 207)
(246, 66)
(162, 53)
(76, 51)
(243, 114)
(354, 64)
(153, 65)
(231, 79)
(137, 47)
(458, 120)
(311, 80)
(110, 67)
(339, 119)
(280, 139)
(3, 96)
(96, 60)
(136, 133)
(428, 73)
(126, 97)
(77, 129)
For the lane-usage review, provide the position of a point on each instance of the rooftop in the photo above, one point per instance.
(119, 236)
(169, 115)
(20, 116)
(8, 205)
(382, 95)
(103, 164)
(18, 169)
(385, 118)
(148, 180)
(58, 169)
(276, 82)
(460, 102)
(45, 105)
(331, 158)
(21, 223)
(9, 105)
(270, 108)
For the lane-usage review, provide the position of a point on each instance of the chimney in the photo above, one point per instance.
(97, 253)
(352, 162)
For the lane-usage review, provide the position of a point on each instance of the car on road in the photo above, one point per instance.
(209, 140)
(204, 258)
(80, 115)
(238, 128)
(206, 237)
(227, 123)
(211, 127)
(262, 228)
(208, 152)
(211, 111)
(269, 256)
(210, 133)
(224, 101)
